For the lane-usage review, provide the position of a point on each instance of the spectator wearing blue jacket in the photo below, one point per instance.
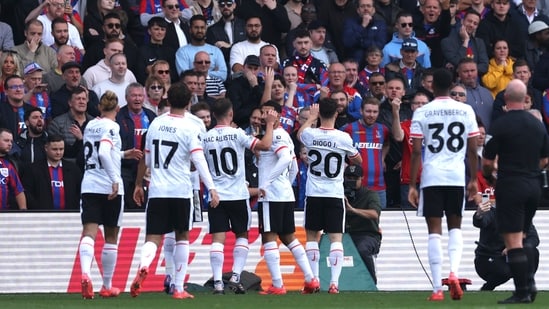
(363, 31)
(404, 26)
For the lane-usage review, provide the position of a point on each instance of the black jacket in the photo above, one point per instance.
(433, 36)
(513, 29)
(37, 183)
(12, 120)
(216, 32)
(171, 39)
(60, 102)
(244, 99)
(148, 54)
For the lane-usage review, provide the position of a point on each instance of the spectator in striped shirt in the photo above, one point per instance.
(214, 86)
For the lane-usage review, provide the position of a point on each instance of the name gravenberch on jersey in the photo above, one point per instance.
(445, 112)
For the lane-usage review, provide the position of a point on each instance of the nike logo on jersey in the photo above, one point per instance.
(335, 263)
(179, 269)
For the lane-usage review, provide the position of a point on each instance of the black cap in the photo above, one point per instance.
(315, 24)
(70, 65)
(252, 60)
(353, 170)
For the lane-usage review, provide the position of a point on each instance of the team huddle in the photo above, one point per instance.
(179, 155)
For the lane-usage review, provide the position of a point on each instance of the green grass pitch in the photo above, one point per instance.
(344, 300)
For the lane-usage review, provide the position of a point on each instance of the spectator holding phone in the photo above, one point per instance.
(36, 93)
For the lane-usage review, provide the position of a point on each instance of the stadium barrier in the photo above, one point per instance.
(39, 253)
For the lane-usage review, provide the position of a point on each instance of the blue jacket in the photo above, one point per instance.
(391, 51)
(357, 39)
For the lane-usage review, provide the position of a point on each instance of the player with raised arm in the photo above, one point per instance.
(102, 193)
(224, 148)
(277, 170)
(449, 131)
(325, 197)
(172, 142)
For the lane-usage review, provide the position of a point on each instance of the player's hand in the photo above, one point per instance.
(472, 190)
(139, 195)
(133, 153)
(413, 196)
(262, 193)
(214, 198)
(114, 192)
(271, 116)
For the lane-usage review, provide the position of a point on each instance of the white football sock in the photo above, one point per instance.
(455, 249)
(108, 260)
(301, 259)
(181, 259)
(313, 254)
(87, 251)
(336, 261)
(240, 254)
(434, 250)
(169, 245)
(272, 257)
(216, 260)
(148, 252)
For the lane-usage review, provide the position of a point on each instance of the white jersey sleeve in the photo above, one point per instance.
(276, 182)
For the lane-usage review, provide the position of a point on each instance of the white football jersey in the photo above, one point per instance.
(224, 148)
(170, 141)
(101, 131)
(445, 125)
(280, 190)
(326, 151)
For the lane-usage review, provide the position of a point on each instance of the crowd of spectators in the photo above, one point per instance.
(58, 57)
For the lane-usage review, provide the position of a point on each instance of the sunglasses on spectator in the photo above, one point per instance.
(404, 25)
(172, 6)
(225, 3)
(377, 83)
(163, 71)
(157, 87)
(111, 25)
(203, 62)
(457, 94)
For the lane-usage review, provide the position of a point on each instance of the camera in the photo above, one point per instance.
(349, 187)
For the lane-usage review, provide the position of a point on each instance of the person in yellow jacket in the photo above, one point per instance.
(500, 68)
